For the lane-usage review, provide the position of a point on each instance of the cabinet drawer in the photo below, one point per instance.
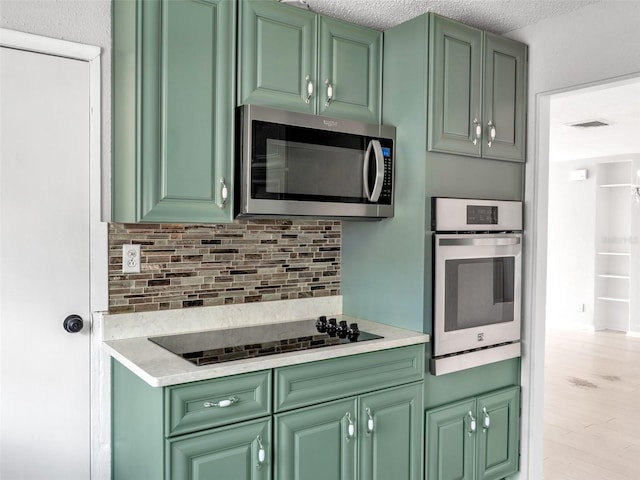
(306, 384)
(200, 405)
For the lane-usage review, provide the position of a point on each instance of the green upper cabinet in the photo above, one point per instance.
(277, 55)
(173, 90)
(349, 71)
(474, 439)
(294, 59)
(477, 92)
(504, 98)
(455, 96)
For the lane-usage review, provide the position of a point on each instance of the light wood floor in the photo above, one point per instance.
(592, 406)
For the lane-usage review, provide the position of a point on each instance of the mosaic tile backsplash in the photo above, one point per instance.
(203, 265)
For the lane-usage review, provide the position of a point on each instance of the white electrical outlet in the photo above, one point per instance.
(131, 258)
(581, 307)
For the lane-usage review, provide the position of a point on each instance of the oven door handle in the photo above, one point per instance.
(373, 195)
(459, 242)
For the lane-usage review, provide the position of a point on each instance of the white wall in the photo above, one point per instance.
(81, 21)
(595, 43)
(571, 245)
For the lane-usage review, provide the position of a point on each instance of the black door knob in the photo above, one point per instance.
(73, 323)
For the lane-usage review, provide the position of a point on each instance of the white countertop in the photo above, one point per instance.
(159, 367)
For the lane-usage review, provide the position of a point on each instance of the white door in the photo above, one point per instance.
(44, 267)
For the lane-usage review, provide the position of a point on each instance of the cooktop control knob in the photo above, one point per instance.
(332, 327)
(321, 324)
(353, 332)
(343, 329)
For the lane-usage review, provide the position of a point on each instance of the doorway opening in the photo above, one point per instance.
(592, 335)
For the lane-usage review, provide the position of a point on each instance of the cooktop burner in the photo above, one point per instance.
(217, 346)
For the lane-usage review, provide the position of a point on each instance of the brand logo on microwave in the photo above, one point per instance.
(330, 123)
(481, 337)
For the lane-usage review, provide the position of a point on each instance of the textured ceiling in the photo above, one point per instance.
(497, 16)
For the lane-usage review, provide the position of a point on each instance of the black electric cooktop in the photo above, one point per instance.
(217, 346)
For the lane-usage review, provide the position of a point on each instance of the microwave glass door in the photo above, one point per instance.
(298, 163)
(478, 292)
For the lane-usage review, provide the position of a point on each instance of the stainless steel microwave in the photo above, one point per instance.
(295, 164)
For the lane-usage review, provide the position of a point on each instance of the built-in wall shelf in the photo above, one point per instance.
(613, 248)
(613, 299)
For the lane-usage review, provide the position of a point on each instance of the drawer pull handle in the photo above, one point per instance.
(262, 453)
(222, 403)
(351, 428)
(369, 421)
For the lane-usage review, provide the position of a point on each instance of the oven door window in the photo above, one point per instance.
(479, 292)
(296, 163)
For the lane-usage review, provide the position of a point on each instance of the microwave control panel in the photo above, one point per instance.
(387, 190)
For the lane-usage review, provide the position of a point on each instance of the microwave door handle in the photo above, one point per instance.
(373, 195)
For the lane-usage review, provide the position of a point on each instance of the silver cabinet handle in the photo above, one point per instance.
(472, 423)
(222, 403)
(492, 133)
(309, 89)
(373, 195)
(477, 131)
(224, 193)
(262, 453)
(486, 419)
(351, 427)
(329, 92)
(369, 421)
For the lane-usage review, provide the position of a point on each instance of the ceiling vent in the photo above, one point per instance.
(590, 124)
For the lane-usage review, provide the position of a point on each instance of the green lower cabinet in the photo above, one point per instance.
(238, 452)
(315, 443)
(361, 424)
(474, 439)
(391, 448)
(498, 433)
(376, 436)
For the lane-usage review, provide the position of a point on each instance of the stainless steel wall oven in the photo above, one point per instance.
(477, 265)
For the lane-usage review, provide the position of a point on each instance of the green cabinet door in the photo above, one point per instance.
(504, 98)
(498, 429)
(455, 79)
(277, 59)
(390, 434)
(238, 452)
(349, 71)
(296, 60)
(450, 442)
(173, 88)
(317, 443)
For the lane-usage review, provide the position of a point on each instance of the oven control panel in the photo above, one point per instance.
(472, 215)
